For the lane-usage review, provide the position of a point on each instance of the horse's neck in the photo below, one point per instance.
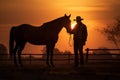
(57, 28)
(54, 27)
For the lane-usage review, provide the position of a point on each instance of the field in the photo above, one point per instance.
(90, 71)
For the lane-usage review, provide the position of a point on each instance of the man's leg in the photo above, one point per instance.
(76, 54)
(81, 54)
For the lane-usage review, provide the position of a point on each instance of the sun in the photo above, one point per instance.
(73, 25)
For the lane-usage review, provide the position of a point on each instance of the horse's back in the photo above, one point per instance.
(35, 35)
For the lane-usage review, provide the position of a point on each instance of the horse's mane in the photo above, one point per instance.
(51, 22)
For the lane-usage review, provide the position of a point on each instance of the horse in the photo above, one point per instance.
(46, 34)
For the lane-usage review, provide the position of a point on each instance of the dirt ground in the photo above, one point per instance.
(90, 71)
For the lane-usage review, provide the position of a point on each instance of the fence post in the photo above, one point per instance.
(87, 52)
(30, 58)
(68, 58)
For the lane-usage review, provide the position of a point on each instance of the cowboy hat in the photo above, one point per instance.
(78, 18)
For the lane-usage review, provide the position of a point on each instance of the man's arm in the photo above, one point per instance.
(73, 30)
(85, 33)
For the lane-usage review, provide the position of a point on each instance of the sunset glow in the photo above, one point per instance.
(73, 25)
(96, 14)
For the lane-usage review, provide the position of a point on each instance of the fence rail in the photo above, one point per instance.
(88, 49)
(39, 57)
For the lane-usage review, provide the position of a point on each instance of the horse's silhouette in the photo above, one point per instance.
(47, 34)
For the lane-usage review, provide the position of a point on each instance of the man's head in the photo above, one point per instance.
(78, 19)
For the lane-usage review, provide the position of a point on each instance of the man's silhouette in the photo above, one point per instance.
(80, 37)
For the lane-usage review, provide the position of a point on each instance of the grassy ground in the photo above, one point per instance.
(90, 71)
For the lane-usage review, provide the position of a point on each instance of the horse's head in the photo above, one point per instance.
(67, 22)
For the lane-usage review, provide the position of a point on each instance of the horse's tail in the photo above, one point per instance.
(11, 42)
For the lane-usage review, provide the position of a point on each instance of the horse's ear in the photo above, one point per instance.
(69, 15)
(65, 15)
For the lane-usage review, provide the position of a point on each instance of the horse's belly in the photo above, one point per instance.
(42, 40)
(37, 42)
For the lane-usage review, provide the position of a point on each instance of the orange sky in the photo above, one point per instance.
(96, 14)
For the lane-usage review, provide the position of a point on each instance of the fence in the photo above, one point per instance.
(39, 57)
(87, 54)
(63, 57)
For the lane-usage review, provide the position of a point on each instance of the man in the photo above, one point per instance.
(80, 36)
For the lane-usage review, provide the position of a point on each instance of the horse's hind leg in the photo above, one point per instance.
(14, 52)
(19, 54)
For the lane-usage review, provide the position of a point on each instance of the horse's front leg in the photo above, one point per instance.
(51, 58)
(47, 52)
(51, 54)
